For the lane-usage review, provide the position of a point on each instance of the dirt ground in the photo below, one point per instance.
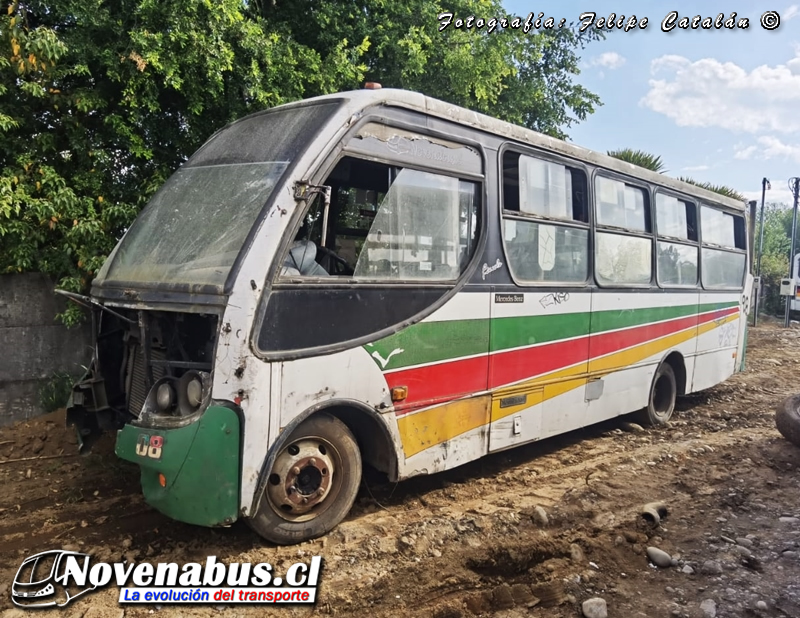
(530, 532)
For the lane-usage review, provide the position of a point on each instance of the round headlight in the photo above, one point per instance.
(192, 390)
(194, 393)
(165, 397)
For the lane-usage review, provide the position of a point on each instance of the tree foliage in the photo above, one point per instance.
(654, 163)
(523, 78)
(639, 157)
(101, 100)
(775, 255)
(709, 186)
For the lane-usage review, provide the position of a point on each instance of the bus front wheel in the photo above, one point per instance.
(663, 393)
(312, 483)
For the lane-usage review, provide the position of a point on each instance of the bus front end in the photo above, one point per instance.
(151, 380)
(172, 308)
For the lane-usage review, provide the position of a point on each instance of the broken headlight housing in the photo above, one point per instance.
(177, 399)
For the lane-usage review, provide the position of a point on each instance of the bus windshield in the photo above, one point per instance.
(194, 227)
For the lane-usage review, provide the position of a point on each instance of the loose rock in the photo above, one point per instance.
(742, 551)
(595, 608)
(659, 557)
(711, 567)
(576, 553)
(709, 608)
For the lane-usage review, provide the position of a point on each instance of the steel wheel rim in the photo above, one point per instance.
(305, 479)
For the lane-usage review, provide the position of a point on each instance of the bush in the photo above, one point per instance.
(55, 393)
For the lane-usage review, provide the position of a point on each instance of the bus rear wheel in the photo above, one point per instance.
(312, 484)
(663, 393)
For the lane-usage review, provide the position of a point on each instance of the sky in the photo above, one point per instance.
(717, 105)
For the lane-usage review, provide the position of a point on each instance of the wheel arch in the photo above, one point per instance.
(374, 440)
(678, 363)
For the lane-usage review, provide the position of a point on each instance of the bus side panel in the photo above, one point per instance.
(444, 364)
(718, 337)
(445, 436)
(439, 425)
(316, 383)
(540, 348)
(631, 334)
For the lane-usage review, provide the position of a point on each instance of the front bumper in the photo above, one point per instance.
(200, 464)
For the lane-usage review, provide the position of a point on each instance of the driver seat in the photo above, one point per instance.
(302, 260)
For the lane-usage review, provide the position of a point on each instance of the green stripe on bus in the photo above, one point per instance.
(616, 319)
(431, 342)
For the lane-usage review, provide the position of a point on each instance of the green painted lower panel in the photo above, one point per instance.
(200, 463)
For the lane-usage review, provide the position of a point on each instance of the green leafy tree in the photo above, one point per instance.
(524, 78)
(638, 157)
(775, 254)
(100, 101)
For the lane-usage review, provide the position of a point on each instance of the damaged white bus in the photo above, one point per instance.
(377, 277)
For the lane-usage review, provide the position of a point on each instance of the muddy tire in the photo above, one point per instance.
(661, 403)
(787, 419)
(312, 484)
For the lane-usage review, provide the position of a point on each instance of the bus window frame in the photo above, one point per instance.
(394, 118)
(675, 240)
(341, 152)
(518, 215)
(722, 248)
(600, 172)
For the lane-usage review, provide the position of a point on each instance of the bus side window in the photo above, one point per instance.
(394, 223)
(545, 220)
(678, 254)
(624, 249)
(725, 259)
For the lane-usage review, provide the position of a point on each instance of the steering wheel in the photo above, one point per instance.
(333, 263)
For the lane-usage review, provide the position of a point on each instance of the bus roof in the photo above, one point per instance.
(359, 100)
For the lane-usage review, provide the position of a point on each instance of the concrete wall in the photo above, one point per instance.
(33, 345)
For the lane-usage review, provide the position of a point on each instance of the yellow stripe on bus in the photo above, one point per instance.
(422, 430)
(436, 425)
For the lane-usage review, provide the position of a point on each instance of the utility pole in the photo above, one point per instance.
(764, 186)
(794, 187)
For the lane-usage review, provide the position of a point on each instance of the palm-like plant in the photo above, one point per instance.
(655, 164)
(721, 189)
(639, 157)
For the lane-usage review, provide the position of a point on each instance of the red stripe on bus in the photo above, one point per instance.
(447, 380)
(440, 382)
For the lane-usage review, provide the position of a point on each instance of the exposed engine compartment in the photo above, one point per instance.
(133, 350)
